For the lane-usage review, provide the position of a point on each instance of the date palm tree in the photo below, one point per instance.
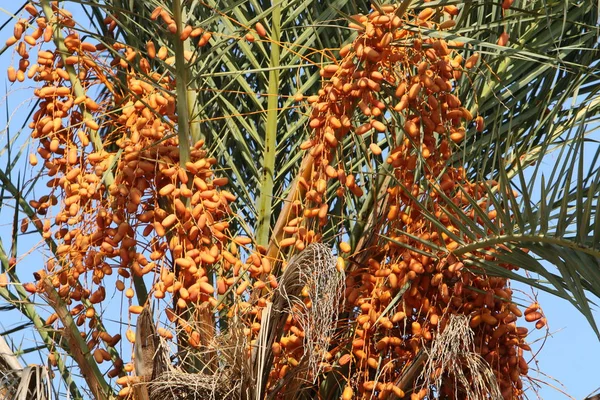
(233, 99)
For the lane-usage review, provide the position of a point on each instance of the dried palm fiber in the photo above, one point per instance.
(223, 372)
(313, 271)
(18, 383)
(175, 384)
(452, 357)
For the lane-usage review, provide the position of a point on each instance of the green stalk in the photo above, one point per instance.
(78, 348)
(191, 98)
(265, 197)
(181, 81)
(185, 130)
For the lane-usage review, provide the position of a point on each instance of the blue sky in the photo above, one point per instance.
(570, 355)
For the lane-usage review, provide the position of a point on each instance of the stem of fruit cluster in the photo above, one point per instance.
(78, 347)
(181, 82)
(265, 199)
